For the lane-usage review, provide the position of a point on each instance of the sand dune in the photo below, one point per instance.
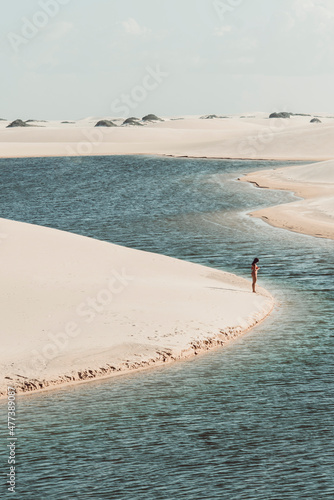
(233, 137)
(245, 137)
(314, 215)
(74, 308)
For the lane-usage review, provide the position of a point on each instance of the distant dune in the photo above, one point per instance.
(246, 137)
(314, 215)
(272, 136)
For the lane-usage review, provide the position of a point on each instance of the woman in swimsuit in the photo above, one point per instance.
(255, 269)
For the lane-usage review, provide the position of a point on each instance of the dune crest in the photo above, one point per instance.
(245, 137)
(314, 214)
(76, 309)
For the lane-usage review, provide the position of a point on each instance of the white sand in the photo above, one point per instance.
(314, 215)
(54, 331)
(233, 137)
(253, 137)
(74, 308)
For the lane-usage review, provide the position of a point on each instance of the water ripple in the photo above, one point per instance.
(251, 421)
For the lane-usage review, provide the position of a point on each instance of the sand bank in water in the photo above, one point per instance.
(314, 214)
(74, 308)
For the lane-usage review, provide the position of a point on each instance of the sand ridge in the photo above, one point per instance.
(250, 137)
(314, 183)
(76, 309)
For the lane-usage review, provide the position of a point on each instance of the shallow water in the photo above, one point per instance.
(253, 420)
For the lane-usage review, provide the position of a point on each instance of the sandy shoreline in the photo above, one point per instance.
(77, 309)
(33, 386)
(234, 137)
(314, 183)
(247, 137)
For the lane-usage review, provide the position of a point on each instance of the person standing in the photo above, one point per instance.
(255, 269)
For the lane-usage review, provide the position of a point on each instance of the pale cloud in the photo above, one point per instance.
(317, 15)
(303, 8)
(47, 54)
(59, 30)
(132, 27)
(222, 30)
(289, 21)
(309, 25)
(259, 49)
(195, 60)
(242, 61)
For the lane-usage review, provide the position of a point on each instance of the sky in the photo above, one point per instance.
(70, 59)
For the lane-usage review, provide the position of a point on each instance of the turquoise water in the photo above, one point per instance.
(251, 421)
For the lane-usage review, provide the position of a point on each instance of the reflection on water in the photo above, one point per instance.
(250, 421)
